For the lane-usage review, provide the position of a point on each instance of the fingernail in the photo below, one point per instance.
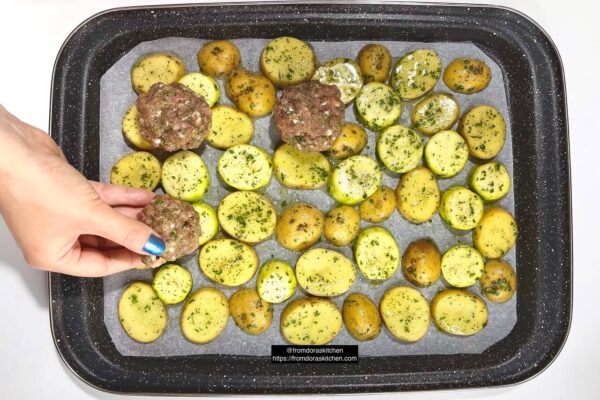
(154, 246)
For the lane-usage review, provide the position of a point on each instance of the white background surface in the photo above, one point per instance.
(31, 33)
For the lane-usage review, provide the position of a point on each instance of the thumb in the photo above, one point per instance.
(127, 232)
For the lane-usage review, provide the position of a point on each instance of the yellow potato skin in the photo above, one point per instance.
(342, 225)
(379, 207)
(131, 129)
(467, 75)
(252, 92)
(296, 169)
(218, 58)
(137, 170)
(351, 142)
(484, 129)
(361, 317)
(206, 308)
(405, 313)
(418, 195)
(496, 233)
(288, 61)
(229, 128)
(156, 67)
(499, 281)
(421, 263)
(459, 312)
(142, 314)
(299, 226)
(375, 62)
(322, 321)
(250, 313)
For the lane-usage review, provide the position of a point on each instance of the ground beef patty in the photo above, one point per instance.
(309, 115)
(173, 117)
(178, 225)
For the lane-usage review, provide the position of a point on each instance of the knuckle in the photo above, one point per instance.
(132, 238)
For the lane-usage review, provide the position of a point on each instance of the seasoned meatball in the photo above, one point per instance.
(309, 116)
(178, 225)
(173, 117)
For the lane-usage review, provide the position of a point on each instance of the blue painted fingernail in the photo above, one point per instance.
(154, 246)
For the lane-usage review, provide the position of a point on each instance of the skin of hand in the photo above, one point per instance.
(63, 222)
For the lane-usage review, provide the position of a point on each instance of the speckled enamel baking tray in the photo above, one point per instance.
(537, 105)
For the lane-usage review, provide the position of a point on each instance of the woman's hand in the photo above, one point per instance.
(63, 222)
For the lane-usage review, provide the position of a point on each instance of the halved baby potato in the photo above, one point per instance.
(295, 169)
(491, 181)
(228, 262)
(405, 313)
(416, 73)
(467, 75)
(245, 167)
(204, 86)
(247, 216)
(418, 195)
(461, 208)
(209, 223)
(252, 92)
(399, 148)
(140, 170)
(325, 273)
(154, 68)
(459, 312)
(343, 73)
(276, 281)
(435, 113)
(185, 176)
(172, 283)
(351, 142)
(229, 127)
(204, 315)
(355, 179)
(462, 265)
(311, 321)
(287, 61)
(377, 106)
(376, 252)
(131, 129)
(446, 154)
(142, 314)
(484, 129)
(496, 232)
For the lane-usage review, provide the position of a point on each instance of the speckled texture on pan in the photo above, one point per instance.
(535, 88)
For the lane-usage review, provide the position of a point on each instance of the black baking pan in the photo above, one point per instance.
(536, 100)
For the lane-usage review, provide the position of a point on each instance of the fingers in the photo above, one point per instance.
(131, 212)
(121, 195)
(89, 262)
(103, 243)
(125, 231)
(97, 242)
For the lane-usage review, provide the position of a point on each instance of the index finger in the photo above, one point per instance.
(122, 195)
(92, 263)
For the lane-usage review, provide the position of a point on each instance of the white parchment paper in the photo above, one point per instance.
(116, 95)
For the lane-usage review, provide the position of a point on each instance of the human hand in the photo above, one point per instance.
(63, 222)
